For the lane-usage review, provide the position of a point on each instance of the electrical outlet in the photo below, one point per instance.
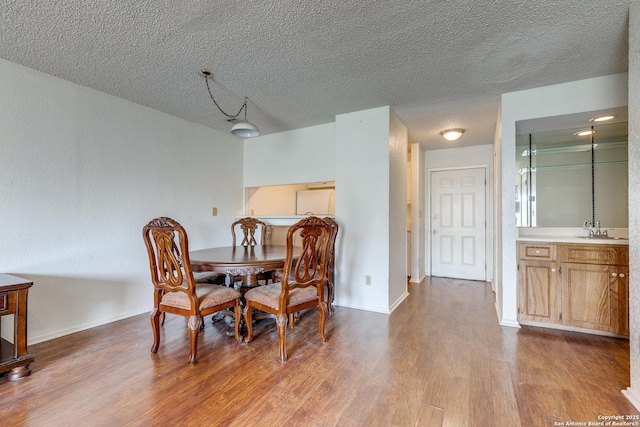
(214, 211)
(367, 280)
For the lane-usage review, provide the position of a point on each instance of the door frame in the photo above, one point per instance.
(487, 230)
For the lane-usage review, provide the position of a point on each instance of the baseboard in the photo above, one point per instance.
(362, 307)
(60, 333)
(632, 396)
(398, 302)
(414, 282)
(510, 324)
(502, 322)
(571, 329)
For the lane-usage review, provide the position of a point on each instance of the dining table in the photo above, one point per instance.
(246, 262)
(234, 261)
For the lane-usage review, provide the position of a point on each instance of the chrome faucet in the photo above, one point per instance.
(587, 224)
(597, 233)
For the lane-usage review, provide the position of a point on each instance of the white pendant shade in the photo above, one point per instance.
(245, 130)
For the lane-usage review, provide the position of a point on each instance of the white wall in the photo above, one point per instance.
(418, 229)
(297, 156)
(633, 392)
(555, 100)
(362, 207)
(363, 152)
(497, 214)
(398, 160)
(81, 172)
(462, 157)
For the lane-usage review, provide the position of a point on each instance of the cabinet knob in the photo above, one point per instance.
(621, 275)
(614, 274)
(537, 251)
(553, 270)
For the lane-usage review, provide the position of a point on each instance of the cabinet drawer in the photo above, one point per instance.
(7, 302)
(536, 251)
(592, 254)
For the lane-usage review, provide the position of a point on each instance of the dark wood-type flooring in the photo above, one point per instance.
(440, 359)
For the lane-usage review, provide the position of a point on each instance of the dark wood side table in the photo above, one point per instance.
(13, 300)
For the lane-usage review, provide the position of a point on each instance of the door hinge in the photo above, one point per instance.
(518, 265)
(560, 316)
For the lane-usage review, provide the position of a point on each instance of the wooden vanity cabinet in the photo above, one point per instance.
(538, 290)
(586, 286)
(594, 287)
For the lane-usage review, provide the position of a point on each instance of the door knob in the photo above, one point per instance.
(621, 275)
(614, 274)
(435, 231)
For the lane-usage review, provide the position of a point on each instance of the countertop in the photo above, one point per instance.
(619, 236)
(573, 239)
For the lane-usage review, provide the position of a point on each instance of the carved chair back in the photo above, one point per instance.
(313, 235)
(168, 248)
(250, 228)
(331, 260)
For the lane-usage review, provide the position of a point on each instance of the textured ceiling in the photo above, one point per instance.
(437, 63)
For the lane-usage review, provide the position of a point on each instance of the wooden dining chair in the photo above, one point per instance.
(332, 261)
(249, 232)
(279, 273)
(254, 232)
(175, 289)
(303, 282)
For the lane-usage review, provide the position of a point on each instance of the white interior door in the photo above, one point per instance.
(458, 224)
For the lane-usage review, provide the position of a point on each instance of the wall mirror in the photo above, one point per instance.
(564, 179)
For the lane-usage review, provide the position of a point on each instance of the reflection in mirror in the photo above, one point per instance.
(564, 179)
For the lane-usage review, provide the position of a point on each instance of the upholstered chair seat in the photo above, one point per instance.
(269, 294)
(208, 296)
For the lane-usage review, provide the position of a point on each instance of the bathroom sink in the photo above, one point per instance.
(601, 238)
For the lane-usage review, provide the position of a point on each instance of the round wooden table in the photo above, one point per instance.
(240, 261)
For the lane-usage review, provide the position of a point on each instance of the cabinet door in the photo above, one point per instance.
(593, 297)
(538, 292)
(621, 291)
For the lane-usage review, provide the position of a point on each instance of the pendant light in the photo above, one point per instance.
(242, 128)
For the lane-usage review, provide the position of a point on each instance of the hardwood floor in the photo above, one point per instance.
(439, 360)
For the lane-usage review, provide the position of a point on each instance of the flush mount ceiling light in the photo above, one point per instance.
(242, 128)
(452, 134)
(602, 118)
